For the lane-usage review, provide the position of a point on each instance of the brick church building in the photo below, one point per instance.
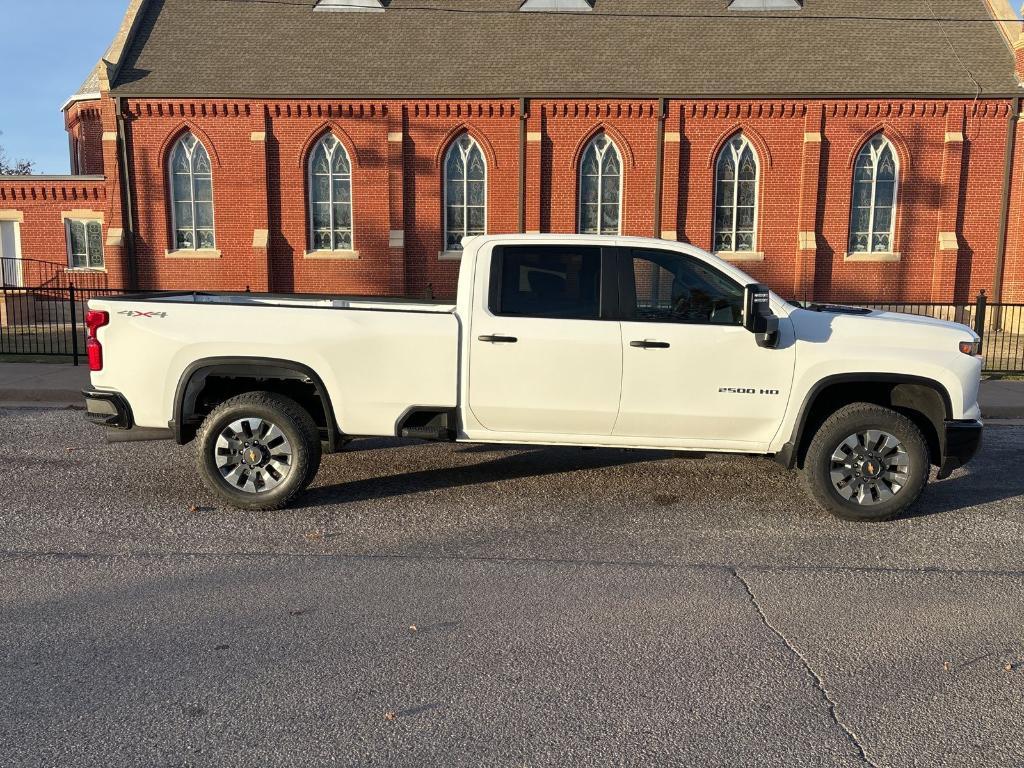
(844, 150)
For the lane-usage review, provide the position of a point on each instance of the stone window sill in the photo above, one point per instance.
(878, 256)
(200, 253)
(332, 255)
(85, 270)
(449, 256)
(740, 255)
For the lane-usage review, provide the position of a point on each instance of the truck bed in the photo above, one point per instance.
(376, 357)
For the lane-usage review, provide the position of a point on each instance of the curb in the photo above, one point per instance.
(994, 412)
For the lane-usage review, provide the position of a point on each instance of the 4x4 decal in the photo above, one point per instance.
(134, 313)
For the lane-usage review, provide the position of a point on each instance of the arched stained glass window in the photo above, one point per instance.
(873, 213)
(330, 196)
(600, 188)
(736, 178)
(191, 195)
(465, 192)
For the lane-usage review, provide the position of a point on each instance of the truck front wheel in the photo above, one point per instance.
(867, 463)
(257, 450)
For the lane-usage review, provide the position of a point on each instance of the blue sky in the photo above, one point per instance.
(49, 47)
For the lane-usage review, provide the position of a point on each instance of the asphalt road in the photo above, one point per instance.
(455, 605)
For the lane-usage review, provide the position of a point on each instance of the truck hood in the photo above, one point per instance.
(934, 322)
(890, 329)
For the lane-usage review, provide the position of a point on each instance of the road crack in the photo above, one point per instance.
(819, 684)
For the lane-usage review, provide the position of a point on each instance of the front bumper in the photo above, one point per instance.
(108, 409)
(961, 441)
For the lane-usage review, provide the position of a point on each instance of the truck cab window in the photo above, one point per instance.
(549, 281)
(673, 288)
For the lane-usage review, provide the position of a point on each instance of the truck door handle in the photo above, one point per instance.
(499, 339)
(650, 344)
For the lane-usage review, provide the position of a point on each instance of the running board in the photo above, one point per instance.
(138, 435)
(442, 434)
(428, 423)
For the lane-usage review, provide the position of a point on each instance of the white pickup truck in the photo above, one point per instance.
(554, 340)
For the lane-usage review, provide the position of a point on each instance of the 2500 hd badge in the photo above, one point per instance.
(746, 391)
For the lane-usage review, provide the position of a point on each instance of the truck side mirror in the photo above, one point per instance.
(758, 317)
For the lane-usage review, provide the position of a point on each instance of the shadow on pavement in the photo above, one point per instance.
(975, 487)
(529, 462)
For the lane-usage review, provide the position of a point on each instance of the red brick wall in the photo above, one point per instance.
(259, 151)
(776, 130)
(567, 129)
(41, 203)
(429, 128)
(85, 132)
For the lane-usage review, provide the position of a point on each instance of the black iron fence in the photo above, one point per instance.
(45, 322)
(17, 274)
(48, 319)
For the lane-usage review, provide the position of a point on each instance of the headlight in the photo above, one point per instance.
(972, 348)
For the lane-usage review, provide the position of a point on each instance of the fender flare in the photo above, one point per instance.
(789, 452)
(192, 379)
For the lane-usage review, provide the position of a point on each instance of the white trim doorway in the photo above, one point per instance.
(10, 255)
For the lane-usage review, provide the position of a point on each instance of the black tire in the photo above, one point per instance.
(297, 427)
(857, 419)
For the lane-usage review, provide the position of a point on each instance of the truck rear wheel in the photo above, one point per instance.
(867, 463)
(257, 450)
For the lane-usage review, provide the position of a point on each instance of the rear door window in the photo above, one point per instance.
(547, 281)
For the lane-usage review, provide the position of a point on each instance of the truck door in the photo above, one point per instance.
(690, 369)
(542, 359)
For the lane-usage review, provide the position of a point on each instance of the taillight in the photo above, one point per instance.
(94, 320)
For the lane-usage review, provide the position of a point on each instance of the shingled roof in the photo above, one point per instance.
(446, 48)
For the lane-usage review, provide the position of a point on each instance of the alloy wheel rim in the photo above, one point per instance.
(253, 455)
(869, 467)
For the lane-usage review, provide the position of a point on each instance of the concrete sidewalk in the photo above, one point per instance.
(43, 384)
(1002, 399)
(60, 385)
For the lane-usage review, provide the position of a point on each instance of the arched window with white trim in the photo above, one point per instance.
(600, 209)
(737, 174)
(191, 177)
(465, 192)
(330, 196)
(873, 212)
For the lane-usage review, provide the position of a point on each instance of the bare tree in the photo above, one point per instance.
(14, 167)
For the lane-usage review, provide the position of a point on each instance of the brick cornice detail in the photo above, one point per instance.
(70, 190)
(463, 110)
(606, 110)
